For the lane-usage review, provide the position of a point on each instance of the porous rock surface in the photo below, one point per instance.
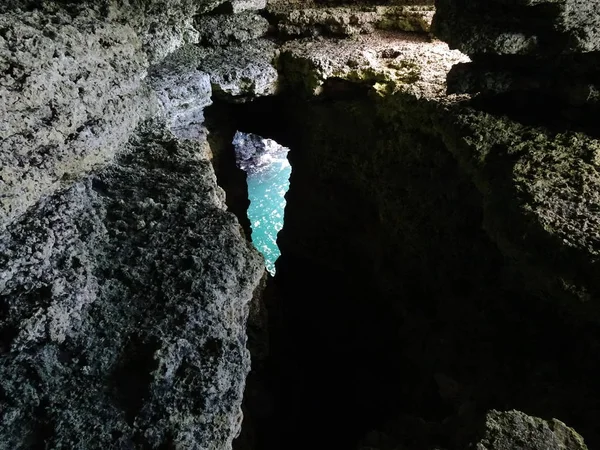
(237, 72)
(384, 60)
(498, 430)
(514, 430)
(71, 89)
(70, 94)
(183, 91)
(224, 29)
(124, 283)
(535, 61)
(238, 6)
(519, 27)
(316, 19)
(542, 193)
(465, 218)
(124, 303)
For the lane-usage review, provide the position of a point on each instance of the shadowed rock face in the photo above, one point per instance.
(423, 298)
(436, 264)
(124, 283)
(546, 27)
(128, 297)
(536, 60)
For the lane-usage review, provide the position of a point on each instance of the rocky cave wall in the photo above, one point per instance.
(438, 266)
(125, 284)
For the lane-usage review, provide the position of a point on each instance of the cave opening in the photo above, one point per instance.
(267, 176)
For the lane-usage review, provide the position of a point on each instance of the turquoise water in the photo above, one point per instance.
(267, 186)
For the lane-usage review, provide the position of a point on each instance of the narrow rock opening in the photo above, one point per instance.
(268, 171)
(227, 124)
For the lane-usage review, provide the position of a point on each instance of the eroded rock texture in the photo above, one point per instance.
(125, 299)
(125, 286)
(318, 19)
(70, 94)
(498, 430)
(439, 261)
(515, 430)
(519, 27)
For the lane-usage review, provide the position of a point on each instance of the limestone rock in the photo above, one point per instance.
(530, 58)
(164, 25)
(243, 71)
(124, 300)
(224, 29)
(238, 6)
(237, 72)
(514, 430)
(183, 91)
(383, 60)
(500, 27)
(70, 94)
(253, 153)
(363, 2)
(71, 88)
(558, 92)
(507, 430)
(569, 80)
(314, 20)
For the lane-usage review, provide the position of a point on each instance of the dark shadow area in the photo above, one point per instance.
(132, 378)
(541, 109)
(560, 93)
(391, 300)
